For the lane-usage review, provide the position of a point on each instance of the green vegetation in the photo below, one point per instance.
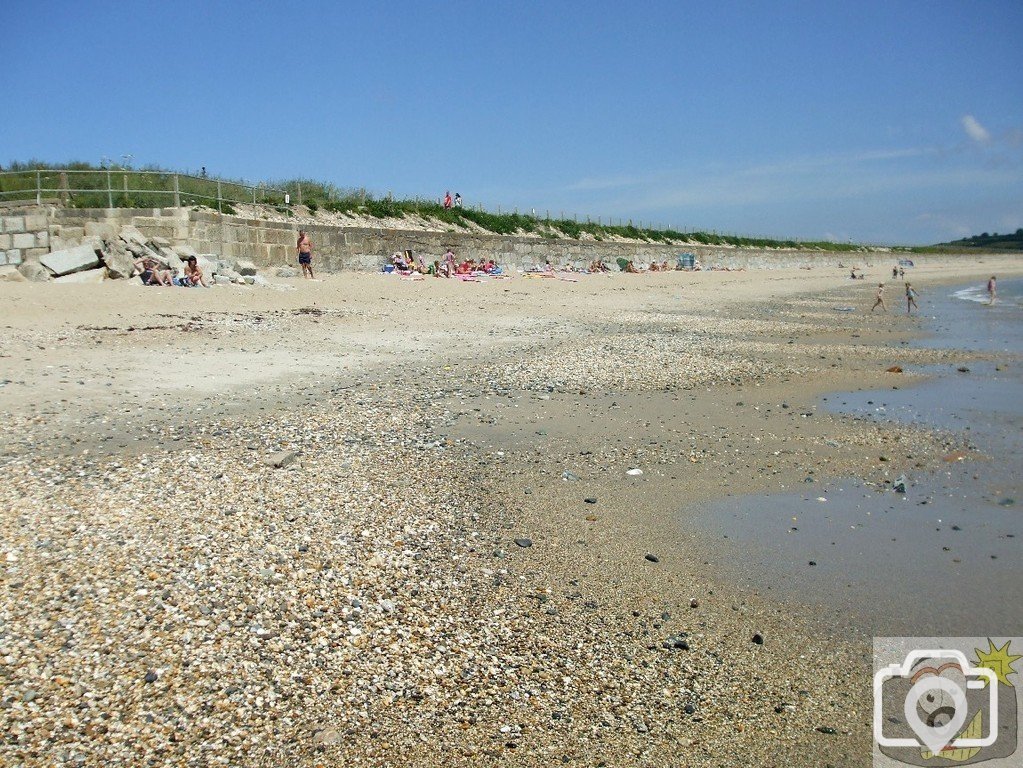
(82, 185)
(993, 242)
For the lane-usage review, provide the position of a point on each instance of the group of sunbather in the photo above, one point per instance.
(154, 272)
(408, 263)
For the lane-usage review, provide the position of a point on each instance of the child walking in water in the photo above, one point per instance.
(992, 289)
(910, 299)
(880, 298)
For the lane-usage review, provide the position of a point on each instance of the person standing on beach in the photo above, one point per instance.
(458, 200)
(447, 199)
(910, 299)
(880, 298)
(992, 289)
(305, 254)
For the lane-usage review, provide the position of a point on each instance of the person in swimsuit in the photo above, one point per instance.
(305, 254)
(153, 272)
(193, 273)
(910, 299)
(449, 263)
(880, 298)
(992, 289)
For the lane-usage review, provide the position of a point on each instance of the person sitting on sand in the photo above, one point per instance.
(665, 267)
(193, 273)
(152, 272)
(631, 268)
(547, 266)
(910, 299)
(880, 298)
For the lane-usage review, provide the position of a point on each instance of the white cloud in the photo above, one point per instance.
(975, 130)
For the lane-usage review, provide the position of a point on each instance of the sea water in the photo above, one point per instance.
(946, 556)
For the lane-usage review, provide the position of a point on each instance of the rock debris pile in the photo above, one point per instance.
(110, 254)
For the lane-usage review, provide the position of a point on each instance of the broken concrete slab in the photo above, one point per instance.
(131, 235)
(70, 260)
(35, 272)
(245, 268)
(183, 250)
(91, 277)
(119, 265)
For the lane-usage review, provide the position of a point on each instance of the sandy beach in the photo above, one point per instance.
(451, 563)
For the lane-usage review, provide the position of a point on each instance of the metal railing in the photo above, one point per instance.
(124, 188)
(118, 187)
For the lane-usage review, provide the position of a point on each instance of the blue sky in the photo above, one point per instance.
(888, 122)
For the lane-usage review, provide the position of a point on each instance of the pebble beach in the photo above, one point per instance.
(368, 521)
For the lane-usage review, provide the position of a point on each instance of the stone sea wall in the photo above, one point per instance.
(27, 233)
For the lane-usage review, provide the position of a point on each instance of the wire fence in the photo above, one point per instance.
(122, 188)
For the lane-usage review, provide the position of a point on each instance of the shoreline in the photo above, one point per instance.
(604, 388)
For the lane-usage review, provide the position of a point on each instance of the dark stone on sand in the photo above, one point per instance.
(689, 709)
(826, 729)
(590, 499)
(812, 562)
(758, 639)
(151, 676)
(652, 558)
(1006, 502)
(524, 542)
(963, 369)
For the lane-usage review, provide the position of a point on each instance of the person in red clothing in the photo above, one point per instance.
(447, 199)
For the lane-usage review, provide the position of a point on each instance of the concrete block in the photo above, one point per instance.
(245, 267)
(119, 264)
(6, 242)
(35, 253)
(90, 277)
(71, 260)
(35, 272)
(24, 240)
(3, 258)
(131, 235)
(10, 274)
(13, 256)
(161, 241)
(35, 223)
(183, 250)
(100, 229)
(13, 224)
(43, 239)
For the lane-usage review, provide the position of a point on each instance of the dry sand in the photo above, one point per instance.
(168, 598)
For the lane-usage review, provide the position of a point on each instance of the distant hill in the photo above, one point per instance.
(996, 242)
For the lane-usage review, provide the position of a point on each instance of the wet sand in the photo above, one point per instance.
(368, 603)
